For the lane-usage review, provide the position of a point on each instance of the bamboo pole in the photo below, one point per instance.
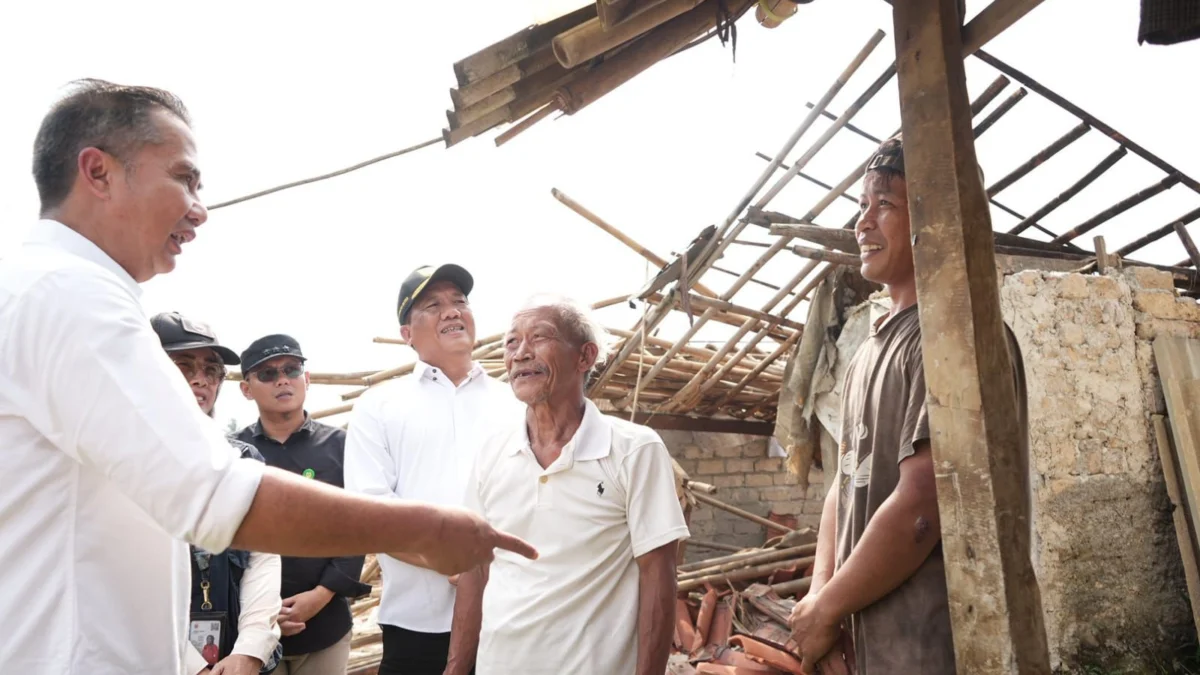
(744, 573)
(520, 127)
(1117, 209)
(793, 587)
(1188, 244)
(711, 252)
(825, 255)
(742, 554)
(620, 236)
(1038, 159)
(1000, 111)
(329, 412)
(1159, 233)
(716, 546)
(591, 39)
(1104, 165)
(717, 503)
(780, 351)
(517, 46)
(758, 558)
(640, 55)
(779, 244)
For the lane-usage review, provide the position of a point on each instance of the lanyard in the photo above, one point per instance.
(202, 559)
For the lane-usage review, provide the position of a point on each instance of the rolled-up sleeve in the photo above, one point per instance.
(108, 396)
(341, 576)
(258, 623)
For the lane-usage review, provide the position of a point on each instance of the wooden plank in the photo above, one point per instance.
(686, 423)
(995, 604)
(1178, 363)
(1181, 514)
(992, 21)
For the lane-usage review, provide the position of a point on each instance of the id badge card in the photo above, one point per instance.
(205, 630)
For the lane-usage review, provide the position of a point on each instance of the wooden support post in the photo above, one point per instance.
(1101, 254)
(1190, 245)
(995, 604)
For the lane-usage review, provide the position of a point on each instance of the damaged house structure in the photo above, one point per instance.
(1103, 307)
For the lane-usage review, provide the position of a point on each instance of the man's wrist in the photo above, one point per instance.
(828, 606)
(325, 594)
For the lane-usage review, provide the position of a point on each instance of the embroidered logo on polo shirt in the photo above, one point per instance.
(309, 473)
(600, 488)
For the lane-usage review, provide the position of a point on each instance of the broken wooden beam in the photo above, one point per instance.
(717, 503)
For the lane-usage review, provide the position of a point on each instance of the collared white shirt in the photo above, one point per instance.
(416, 437)
(111, 467)
(608, 499)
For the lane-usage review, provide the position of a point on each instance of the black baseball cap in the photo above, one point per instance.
(177, 333)
(268, 347)
(425, 275)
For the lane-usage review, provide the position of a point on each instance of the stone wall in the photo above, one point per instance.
(747, 478)
(1105, 549)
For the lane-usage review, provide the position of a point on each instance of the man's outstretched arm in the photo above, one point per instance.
(468, 617)
(296, 517)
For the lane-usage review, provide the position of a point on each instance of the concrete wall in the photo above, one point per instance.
(1105, 549)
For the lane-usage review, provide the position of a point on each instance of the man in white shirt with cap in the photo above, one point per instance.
(416, 438)
(596, 495)
(118, 469)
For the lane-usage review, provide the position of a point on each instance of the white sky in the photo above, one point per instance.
(282, 91)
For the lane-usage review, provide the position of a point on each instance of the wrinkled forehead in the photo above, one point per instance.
(530, 318)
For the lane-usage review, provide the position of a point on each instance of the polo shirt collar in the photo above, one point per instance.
(55, 234)
(592, 440)
(308, 426)
(424, 371)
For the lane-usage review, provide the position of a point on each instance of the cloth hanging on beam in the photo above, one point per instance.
(1168, 22)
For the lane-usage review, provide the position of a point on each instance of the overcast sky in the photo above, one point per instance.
(282, 91)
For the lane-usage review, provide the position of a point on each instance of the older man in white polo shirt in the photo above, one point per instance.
(596, 495)
(112, 466)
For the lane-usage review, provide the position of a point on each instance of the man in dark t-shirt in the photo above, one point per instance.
(878, 603)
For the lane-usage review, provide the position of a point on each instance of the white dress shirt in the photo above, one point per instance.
(416, 438)
(111, 467)
(607, 500)
(258, 622)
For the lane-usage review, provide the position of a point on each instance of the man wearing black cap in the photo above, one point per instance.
(315, 619)
(416, 438)
(879, 578)
(243, 587)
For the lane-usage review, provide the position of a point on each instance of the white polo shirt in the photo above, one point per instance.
(608, 499)
(110, 467)
(416, 438)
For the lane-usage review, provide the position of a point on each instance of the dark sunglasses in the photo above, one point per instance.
(212, 372)
(271, 373)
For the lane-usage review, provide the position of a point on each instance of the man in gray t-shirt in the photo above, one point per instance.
(878, 603)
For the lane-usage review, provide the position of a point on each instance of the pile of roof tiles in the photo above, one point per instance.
(731, 614)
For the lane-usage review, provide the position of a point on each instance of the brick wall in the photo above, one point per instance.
(745, 477)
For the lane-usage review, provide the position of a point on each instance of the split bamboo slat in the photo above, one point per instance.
(592, 38)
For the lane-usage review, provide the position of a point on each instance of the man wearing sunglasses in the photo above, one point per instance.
(243, 587)
(315, 619)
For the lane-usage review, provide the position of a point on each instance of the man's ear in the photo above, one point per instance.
(306, 380)
(96, 169)
(406, 333)
(588, 356)
(245, 387)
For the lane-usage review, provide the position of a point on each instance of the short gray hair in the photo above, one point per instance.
(114, 118)
(576, 321)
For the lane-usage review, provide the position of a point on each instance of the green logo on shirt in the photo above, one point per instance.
(309, 473)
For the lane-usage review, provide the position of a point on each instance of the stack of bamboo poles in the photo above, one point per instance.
(570, 62)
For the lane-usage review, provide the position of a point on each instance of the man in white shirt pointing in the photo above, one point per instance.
(117, 465)
(416, 438)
